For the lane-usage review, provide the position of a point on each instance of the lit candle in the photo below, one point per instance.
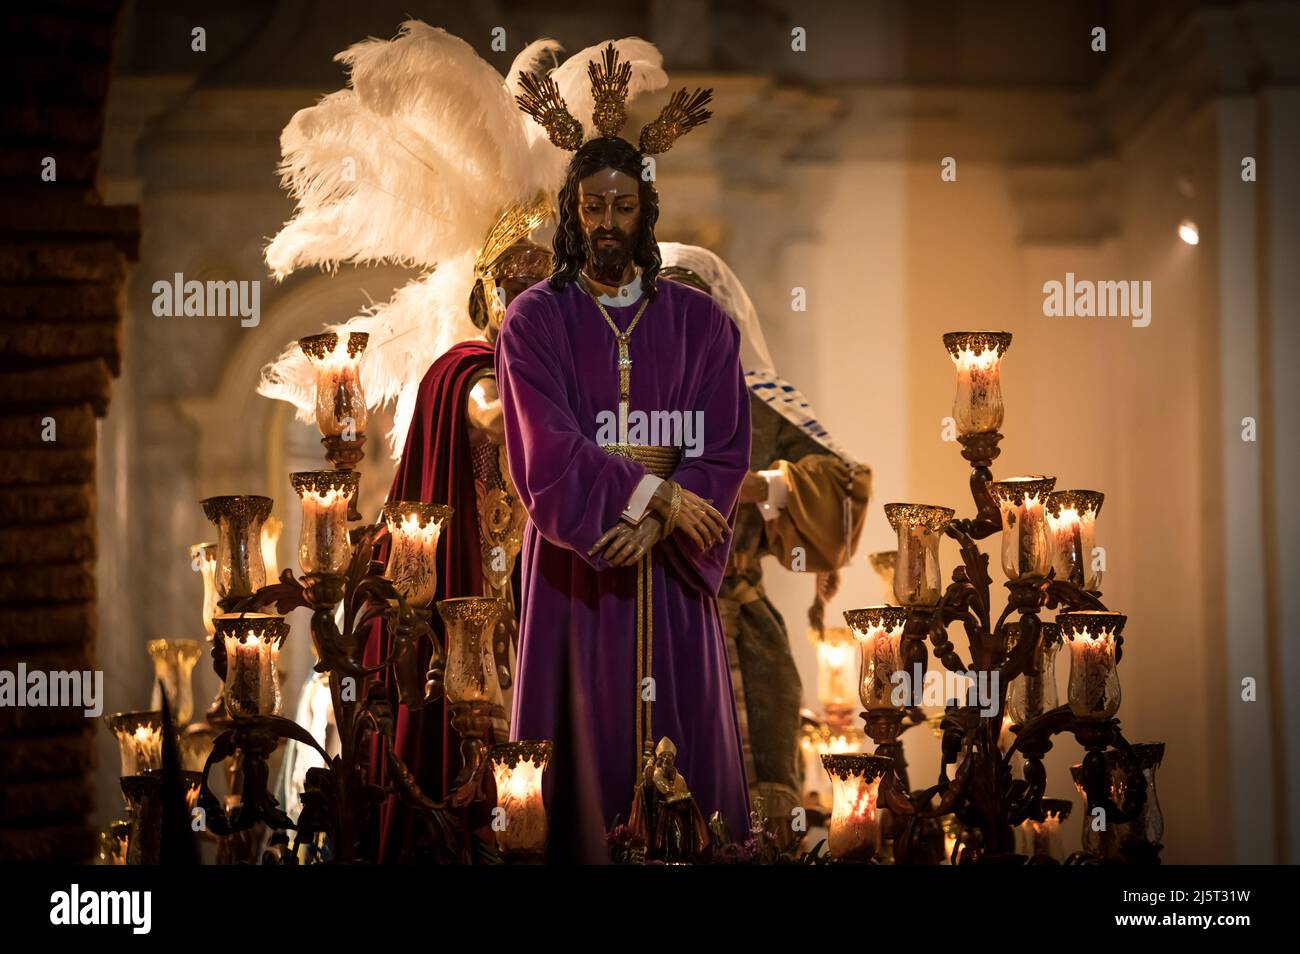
(1072, 516)
(239, 569)
(1033, 692)
(1094, 672)
(1043, 836)
(977, 408)
(323, 544)
(883, 563)
(139, 740)
(835, 664)
(879, 630)
(518, 768)
(340, 403)
(917, 579)
(203, 557)
(252, 642)
(414, 529)
(1026, 538)
(854, 834)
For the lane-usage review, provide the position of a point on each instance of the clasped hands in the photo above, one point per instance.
(625, 543)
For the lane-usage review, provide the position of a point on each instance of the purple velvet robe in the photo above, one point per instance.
(556, 365)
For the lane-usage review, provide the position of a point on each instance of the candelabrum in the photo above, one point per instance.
(1047, 557)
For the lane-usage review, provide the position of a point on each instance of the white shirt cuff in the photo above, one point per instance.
(778, 491)
(640, 498)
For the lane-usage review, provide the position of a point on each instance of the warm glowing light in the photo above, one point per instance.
(271, 531)
(323, 544)
(854, 834)
(139, 740)
(518, 768)
(1093, 637)
(414, 529)
(836, 660)
(1188, 232)
(252, 644)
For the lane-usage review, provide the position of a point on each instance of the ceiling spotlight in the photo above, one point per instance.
(1188, 232)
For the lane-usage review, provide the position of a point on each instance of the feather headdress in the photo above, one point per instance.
(418, 162)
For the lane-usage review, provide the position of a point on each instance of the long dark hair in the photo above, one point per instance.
(570, 248)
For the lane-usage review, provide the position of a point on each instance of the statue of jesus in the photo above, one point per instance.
(627, 541)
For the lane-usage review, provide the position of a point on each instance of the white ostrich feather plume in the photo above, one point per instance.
(412, 164)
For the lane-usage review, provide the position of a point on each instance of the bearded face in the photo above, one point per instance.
(609, 207)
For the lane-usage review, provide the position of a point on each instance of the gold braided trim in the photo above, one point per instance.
(658, 460)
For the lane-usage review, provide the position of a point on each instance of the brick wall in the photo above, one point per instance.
(63, 266)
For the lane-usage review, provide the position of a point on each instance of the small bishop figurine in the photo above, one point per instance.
(664, 813)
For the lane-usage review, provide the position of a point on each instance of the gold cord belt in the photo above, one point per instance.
(656, 459)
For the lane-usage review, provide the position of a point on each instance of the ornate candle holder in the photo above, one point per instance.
(854, 836)
(144, 806)
(469, 623)
(884, 563)
(139, 740)
(324, 547)
(1094, 638)
(1072, 518)
(518, 768)
(917, 578)
(1040, 838)
(239, 570)
(252, 643)
(836, 660)
(1033, 692)
(413, 530)
(340, 402)
(815, 740)
(879, 630)
(173, 663)
(977, 407)
(1026, 537)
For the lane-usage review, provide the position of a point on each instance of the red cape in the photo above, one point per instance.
(435, 468)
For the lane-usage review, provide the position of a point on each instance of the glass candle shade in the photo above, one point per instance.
(253, 642)
(323, 544)
(1026, 537)
(113, 844)
(1094, 672)
(883, 563)
(1072, 518)
(340, 402)
(917, 578)
(1035, 837)
(239, 569)
(879, 630)
(1103, 841)
(203, 557)
(195, 744)
(139, 740)
(1149, 825)
(1033, 692)
(469, 622)
(412, 565)
(836, 662)
(818, 739)
(271, 531)
(518, 768)
(977, 408)
(854, 834)
(173, 664)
